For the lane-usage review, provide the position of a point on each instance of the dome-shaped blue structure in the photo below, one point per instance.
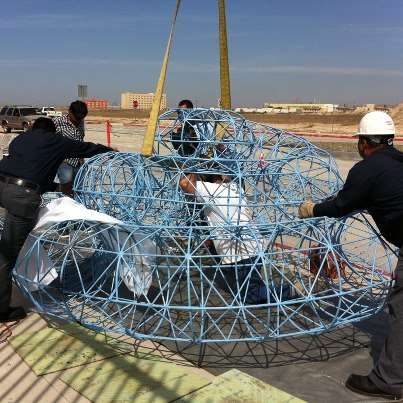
(190, 298)
(276, 169)
(232, 262)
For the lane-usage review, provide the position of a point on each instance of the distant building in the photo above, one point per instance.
(346, 109)
(302, 108)
(374, 107)
(97, 103)
(253, 110)
(383, 108)
(144, 101)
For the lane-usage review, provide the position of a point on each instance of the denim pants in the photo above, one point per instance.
(388, 372)
(66, 173)
(22, 207)
(243, 278)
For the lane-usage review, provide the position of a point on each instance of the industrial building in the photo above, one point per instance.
(131, 100)
(97, 103)
(307, 108)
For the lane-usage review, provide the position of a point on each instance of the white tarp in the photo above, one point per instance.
(36, 265)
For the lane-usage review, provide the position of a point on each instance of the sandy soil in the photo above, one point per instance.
(338, 123)
(335, 124)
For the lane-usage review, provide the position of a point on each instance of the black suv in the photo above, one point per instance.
(18, 117)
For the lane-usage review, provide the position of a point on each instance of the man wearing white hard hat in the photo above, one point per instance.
(375, 184)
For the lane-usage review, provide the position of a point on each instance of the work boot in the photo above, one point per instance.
(362, 384)
(13, 314)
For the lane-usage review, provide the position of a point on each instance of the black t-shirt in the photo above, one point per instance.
(184, 139)
(36, 155)
(374, 184)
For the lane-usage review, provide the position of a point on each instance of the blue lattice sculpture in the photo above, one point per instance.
(316, 167)
(196, 132)
(146, 190)
(333, 281)
(276, 168)
(287, 277)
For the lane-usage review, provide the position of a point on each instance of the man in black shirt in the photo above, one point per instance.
(25, 174)
(184, 139)
(376, 184)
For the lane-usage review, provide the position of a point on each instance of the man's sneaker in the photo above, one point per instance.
(13, 314)
(362, 384)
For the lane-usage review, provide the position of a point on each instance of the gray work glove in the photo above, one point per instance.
(306, 209)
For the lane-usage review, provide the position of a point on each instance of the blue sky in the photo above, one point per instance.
(343, 51)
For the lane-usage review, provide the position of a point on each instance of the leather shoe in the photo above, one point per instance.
(363, 385)
(13, 314)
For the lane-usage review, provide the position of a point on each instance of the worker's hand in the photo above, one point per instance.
(306, 209)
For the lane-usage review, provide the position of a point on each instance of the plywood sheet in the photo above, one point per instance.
(51, 350)
(237, 387)
(130, 379)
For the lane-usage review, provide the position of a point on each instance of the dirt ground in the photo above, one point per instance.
(337, 123)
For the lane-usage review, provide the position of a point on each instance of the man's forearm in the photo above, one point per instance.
(188, 183)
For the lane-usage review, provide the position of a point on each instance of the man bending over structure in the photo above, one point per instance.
(225, 206)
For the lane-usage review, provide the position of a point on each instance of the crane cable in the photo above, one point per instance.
(149, 138)
(225, 100)
(224, 63)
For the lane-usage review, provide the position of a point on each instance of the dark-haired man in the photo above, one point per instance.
(184, 139)
(376, 184)
(71, 125)
(25, 174)
(223, 204)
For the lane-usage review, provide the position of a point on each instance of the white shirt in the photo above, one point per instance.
(229, 217)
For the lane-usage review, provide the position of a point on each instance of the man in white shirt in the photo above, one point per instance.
(235, 239)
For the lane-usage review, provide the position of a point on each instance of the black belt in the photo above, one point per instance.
(20, 182)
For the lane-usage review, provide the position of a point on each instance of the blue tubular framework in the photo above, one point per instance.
(335, 271)
(187, 301)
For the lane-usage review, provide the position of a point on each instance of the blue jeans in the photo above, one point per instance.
(66, 173)
(243, 278)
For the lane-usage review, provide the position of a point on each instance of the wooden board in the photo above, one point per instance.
(52, 350)
(130, 379)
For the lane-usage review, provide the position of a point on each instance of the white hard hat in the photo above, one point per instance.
(376, 124)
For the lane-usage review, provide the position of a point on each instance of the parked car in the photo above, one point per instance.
(50, 111)
(18, 117)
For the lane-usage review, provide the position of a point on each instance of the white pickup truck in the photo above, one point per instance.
(50, 111)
